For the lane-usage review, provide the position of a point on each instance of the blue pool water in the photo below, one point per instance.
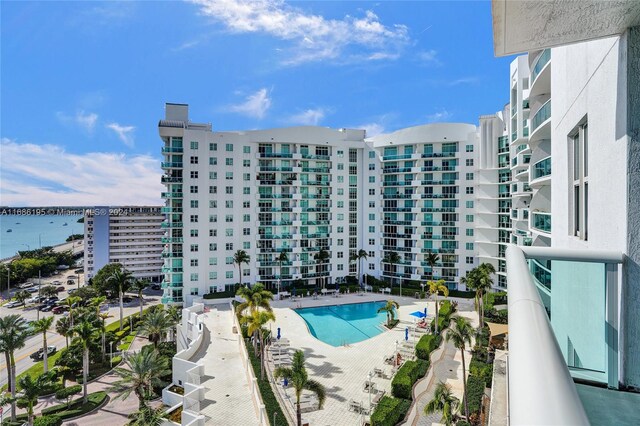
(343, 324)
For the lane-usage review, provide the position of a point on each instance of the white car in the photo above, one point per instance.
(12, 304)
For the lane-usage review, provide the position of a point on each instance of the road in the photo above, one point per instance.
(23, 362)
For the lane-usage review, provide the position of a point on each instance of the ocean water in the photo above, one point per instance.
(34, 230)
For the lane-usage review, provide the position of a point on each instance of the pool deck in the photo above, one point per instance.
(344, 370)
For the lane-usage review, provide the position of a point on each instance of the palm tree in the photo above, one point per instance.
(393, 258)
(122, 279)
(357, 257)
(436, 287)
(174, 315)
(148, 416)
(143, 372)
(390, 309)
(299, 379)
(321, 257)
(472, 282)
(13, 336)
(64, 328)
(432, 260)
(460, 334)
(255, 322)
(255, 297)
(239, 258)
(85, 333)
(443, 400)
(485, 282)
(70, 302)
(22, 296)
(31, 389)
(155, 324)
(283, 257)
(103, 328)
(137, 286)
(48, 291)
(42, 326)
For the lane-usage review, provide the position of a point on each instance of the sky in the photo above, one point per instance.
(83, 84)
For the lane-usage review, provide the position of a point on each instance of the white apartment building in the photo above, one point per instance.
(295, 190)
(428, 186)
(129, 235)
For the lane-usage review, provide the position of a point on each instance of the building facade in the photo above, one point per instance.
(129, 235)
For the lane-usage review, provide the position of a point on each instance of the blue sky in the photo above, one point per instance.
(84, 83)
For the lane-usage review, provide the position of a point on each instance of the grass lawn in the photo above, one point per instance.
(76, 408)
(37, 369)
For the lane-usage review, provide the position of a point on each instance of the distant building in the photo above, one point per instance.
(131, 236)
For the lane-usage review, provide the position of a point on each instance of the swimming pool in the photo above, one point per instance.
(342, 324)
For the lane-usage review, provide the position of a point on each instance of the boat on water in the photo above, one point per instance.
(17, 223)
(51, 222)
(64, 224)
(9, 230)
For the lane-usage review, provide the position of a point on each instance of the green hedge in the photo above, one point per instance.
(219, 295)
(446, 308)
(462, 294)
(427, 344)
(481, 369)
(77, 408)
(47, 421)
(406, 376)
(475, 390)
(389, 411)
(463, 423)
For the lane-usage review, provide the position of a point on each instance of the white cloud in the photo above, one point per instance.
(372, 129)
(313, 37)
(429, 57)
(85, 120)
(309, 117)
(124, 133)
(48, 175)
(463, 80)
(255, 105)
(442, 115)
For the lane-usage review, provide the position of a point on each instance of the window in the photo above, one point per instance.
(372, 204)
(193, 160)
(193, 204)
(193, 291)
(246, 163)
(194, 174)
(246, 190)
(228, 204)
(340, 179)
(340, 154)
(340, 241)
(469, 162)
(469, 204)
(469, 218)
(372, 191)
(372, 166)
(228, 218)
(193, 247)
(470, 232)
(228, 161)
(228, 189)
(371, 267)
(213, 175)
(194, 145)
(193, 262)
(372, 179)
(469, 148)
(228, 176)
(246, 218)
(229, 274)
(229, 147)
(340, 267)
(193, 276)
(229, 260)
(213, 204)
(469, 189)
(246, 149)
(213, 232)
(246, 176)
(229, 246)
(213, 218)
(579, 145)
(213, 190)
(213, 161)
(340, 216)
(246, 231)
(340, 166)
(246, 204)
(193, 189)
(372, 216)
(372, 229)
(193, 218)
(213, 261)
(372, 241)
(213, 246)
(340, 204)
(246, 245)
(469, 260)
(372, 154)
(213, 147)
(340, 191)
(340, 255)
(469, 176)
(213, 275)
(193, 232)
(245, 272)
(469, 246)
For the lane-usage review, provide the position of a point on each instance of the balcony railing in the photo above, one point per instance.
(542, 222)
(541, 116)
(542, 168)
(542, 358)
(540, 63)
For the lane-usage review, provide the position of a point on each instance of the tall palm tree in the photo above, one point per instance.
(13, 336)
(432, 260)
(155, 324)
(485, 283)
(122, 279)
(138, 286)
(390, 309)
(472, 282)
(255, 297)
(63, 328)
(460, 334)
(42, 326)
(321, 257)
(283, 257)
(239, 258)
(255, 322)
(435, 287)
(443, 400)
(362, 255)
(31, 390)
(70, 302)
(393, 258)
(174, 315)
(148, 416)
(144, 370)
(103, 328)
(86, 334)
(299, 379)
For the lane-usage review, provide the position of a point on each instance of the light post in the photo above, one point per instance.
(111, 353)
(422, 285)
(370, 375)
(275, 413)
(8, 280)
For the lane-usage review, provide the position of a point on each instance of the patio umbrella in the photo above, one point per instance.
(278, 336)
(418, 314)
(406, 334)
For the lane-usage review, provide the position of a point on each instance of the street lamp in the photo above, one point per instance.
(275, 413)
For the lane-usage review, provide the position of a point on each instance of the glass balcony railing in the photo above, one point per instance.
(543, 114)
(514, 136)
(543, 59)
(168, 179)
(171, 165)
(542, 168)
(542, 222)
(169, 150)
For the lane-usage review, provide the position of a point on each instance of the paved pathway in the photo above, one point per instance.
(228, 398)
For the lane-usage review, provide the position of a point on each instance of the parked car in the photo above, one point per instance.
(71, 277)
(70, 282)
(39, 354)
(26, 285)
(12, 304)
(155, 287)
(72, 290)
(60, 309)
(47, 308)
(61, 288)
(56, 282)
(32, 290)
(51, 299)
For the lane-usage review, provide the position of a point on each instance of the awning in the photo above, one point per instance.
(498, 329)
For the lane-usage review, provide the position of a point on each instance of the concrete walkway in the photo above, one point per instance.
(228, 398)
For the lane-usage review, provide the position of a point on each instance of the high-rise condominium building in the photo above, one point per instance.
(129, 235)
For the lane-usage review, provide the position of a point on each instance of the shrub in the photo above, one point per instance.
(443, 322)
(482, 370)
(406, 376)
(426, 345)
(389, 411)
(446, 309)
(68, 393)
(462, 294)
(47, 421)
(463, 423)
(220, 295)
(77, 408)
(391, 324)
(475, 390)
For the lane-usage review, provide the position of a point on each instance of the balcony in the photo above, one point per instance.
(171, 225)
(172, 150)
(166, 195)
(543, 60)
(542, 168)
(316, 169)
(275, 155)
(274, 169)
(397, 157)
(316, 157)
(168, 179)
(542, 115)
(541, 222)
(167, 240)
(438, 154)
(171, 165)
(168, 210)
(168, 300)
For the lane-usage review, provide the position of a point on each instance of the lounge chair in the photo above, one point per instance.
(355, 406)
